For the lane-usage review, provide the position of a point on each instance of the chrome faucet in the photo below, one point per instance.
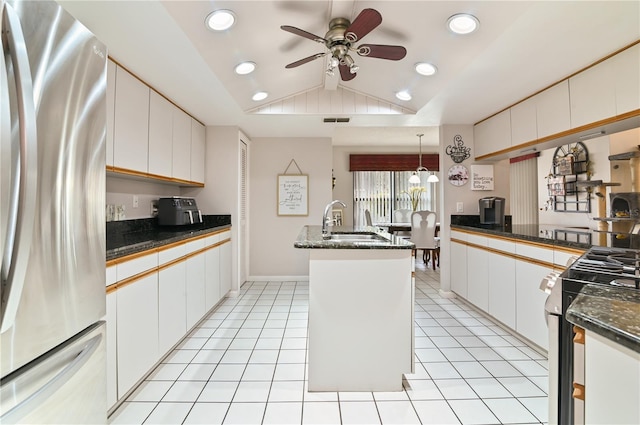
(325, 217)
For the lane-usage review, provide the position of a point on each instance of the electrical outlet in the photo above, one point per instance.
(459, 207)
(135, 201)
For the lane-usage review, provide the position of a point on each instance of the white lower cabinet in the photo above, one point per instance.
(478, 278)
(195, 304)
(612, 382)
(225, 268)
(502, 278)
(458, 264)
(137, 330)
(112, 355)
(172, 314)
(212, 277)
(158, 298)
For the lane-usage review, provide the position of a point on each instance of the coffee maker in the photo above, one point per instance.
(492, 210)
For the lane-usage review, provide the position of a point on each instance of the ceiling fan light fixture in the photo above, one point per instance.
(245, 68)
(261, 95)
(403, 95)
(425, 68)
(463, 23)
(220, 20)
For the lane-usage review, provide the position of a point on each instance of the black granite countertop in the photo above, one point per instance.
(133, 236)
(610, 311)
(311, 237)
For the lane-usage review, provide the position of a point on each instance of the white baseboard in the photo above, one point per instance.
(446, 294)
(278, 278)
(232, 294)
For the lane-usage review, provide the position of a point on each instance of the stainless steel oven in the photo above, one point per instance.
(599, 265)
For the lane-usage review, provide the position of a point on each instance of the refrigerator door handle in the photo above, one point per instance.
(22, 206)
(5, 147)
(66, 363)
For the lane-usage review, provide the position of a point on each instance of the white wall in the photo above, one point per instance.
(344, 178)
(451, 195)
(271, 241)
(599, 164)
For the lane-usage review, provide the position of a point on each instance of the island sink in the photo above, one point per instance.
(356, 237)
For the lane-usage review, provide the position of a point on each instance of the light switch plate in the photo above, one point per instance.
(459, 207)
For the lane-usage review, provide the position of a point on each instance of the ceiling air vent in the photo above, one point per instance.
(336, 119)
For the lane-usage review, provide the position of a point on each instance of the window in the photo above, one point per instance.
(382, 192)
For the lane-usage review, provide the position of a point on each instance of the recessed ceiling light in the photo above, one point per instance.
(220, 20)
(403, 95)
(261, 95)
(463, 23)
(425, 68)
(245, 68)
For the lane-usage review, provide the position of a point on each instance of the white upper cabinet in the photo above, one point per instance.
(524, 122)
(181, 145)
(160, 135)
(131, 123)
(553, 111)
(493, 134)
(592, 94)
(626, 67)
(197, 151)
(111, 104)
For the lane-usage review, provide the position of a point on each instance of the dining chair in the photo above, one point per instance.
(423, 235)
(402, 216)
(367, 218)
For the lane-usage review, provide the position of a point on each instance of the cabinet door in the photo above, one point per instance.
(459, 269)
(553, 111)
(530, 301)
(137, 330)
(111, 101)
(198, 144)
(196, 307)
(592, 94)
(493, 134)
(502, 289)
(478, 277)
(131, 123)
(523, 122)
(212, 277)
(626, 67)
(181, 145)
(172, 305)
(112, 355)
(225, 269)
(160, 135)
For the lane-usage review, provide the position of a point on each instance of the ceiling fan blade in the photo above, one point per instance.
(366, 21)
(345, 73)
(382, 51)
(303, 33)
(305, 60)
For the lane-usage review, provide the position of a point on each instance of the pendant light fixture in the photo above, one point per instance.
(415, 177)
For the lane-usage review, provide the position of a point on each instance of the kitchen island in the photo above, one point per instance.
(361, 300)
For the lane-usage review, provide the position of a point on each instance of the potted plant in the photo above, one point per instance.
(414, 194)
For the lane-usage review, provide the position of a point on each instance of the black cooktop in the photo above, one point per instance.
(607, 266)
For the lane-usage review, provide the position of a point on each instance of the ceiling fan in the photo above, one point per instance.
(340, 41)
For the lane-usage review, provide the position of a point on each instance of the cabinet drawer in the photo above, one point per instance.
(194, 246)
(477, 240)
(112, 276)
(225, 235)
(171, 254)
(461, 236)
(535, 252)
(501, 245)
(212, 240)
(135, 266)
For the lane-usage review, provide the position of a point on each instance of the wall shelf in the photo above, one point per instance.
(567, 191)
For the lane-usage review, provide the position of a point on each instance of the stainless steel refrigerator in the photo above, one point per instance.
(52, 225)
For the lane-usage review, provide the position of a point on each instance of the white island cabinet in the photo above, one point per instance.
(360, 314)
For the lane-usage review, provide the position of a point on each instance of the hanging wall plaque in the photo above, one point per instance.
(293, 193)
(458, 151)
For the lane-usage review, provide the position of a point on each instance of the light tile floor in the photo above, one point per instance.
(245, 364)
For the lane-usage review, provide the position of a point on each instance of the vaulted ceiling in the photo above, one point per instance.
(520, 48)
